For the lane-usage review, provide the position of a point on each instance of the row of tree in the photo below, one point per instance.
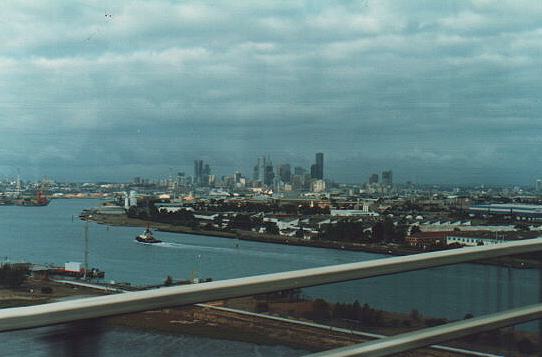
(12, 276)
(365, 315)
(382, 231)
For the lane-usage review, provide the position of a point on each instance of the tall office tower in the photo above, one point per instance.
(256, 172)
(264, 163)
(259, 170)
(198, 171)
(538, 185)
(205, 174)
(269, 173)
(206, 170)
(373, 179)
(317, 169)
(285, 173)
(314, 174)
(387, 178)
(320, 166)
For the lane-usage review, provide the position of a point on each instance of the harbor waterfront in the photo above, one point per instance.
(54, 234)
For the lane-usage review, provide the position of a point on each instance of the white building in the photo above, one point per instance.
(472, 241)
(130, 199)
(353, 212)
(318, 186)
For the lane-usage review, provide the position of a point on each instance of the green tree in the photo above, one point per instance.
(378, 232)
(320, 310)
(415, 315)
(343, 232)
(388, 229)
(356, 311)
(526, 346)
(168, 281)
(242, 221)
(271, 227)
(12, 276)
(415, 229)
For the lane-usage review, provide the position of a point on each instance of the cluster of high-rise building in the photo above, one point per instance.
(282, 179)
(202, 173)
(263, 171)
(264, 175)
(386, 181)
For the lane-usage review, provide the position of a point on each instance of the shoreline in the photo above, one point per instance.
(394, 250)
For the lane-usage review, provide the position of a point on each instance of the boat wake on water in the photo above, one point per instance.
(236, 250)
(195, 247)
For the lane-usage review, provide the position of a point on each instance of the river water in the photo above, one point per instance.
(54, 234)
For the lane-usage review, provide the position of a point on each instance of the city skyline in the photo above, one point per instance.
(447, 94)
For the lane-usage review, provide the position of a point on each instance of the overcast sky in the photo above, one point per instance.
(437, 91)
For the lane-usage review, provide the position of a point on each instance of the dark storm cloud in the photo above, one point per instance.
(438, 91)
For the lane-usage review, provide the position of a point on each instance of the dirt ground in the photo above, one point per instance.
(31, 293)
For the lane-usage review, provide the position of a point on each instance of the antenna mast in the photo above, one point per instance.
(86, 251)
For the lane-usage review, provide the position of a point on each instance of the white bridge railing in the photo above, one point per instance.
(103, 306)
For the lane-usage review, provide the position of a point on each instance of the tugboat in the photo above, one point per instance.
(147, 237)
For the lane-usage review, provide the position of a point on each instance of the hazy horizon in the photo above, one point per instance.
(438, 92)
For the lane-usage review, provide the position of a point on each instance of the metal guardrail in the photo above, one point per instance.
(426, 337)
(90, 308)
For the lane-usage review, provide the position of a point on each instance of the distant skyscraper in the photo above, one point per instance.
(269, 173)
(285, 173)
(538, 185)
(320, 166)
(206, 174)
(259, 169)
(201, 173)
(198, 171)
(317, 169)
(387, 178)
(256, 172)
(314, 171)
(373, 179)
